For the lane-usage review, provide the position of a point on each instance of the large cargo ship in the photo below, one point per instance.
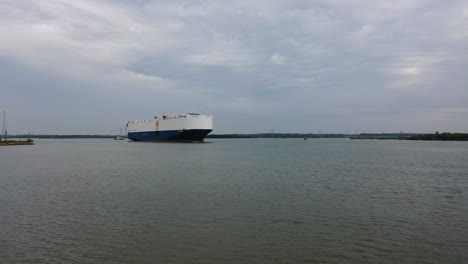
(190, 127)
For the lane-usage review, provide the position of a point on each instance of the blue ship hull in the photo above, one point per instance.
(192, 135)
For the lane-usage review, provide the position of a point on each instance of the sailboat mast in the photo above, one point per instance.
(4, 130)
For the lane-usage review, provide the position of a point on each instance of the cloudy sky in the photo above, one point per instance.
(293, 66)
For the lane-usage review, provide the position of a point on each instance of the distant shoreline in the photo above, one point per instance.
(63, 136)
(382, 136)
(16, 142)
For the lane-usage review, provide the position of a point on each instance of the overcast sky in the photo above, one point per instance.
(293, 66)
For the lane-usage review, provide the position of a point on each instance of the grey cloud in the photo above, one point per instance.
(294, 65)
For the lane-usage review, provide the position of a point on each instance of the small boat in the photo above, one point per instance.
(119, 137)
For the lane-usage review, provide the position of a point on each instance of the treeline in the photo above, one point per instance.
(277, 135)
(7, 142)
(442, 136)
(399, 136)
(63, 136)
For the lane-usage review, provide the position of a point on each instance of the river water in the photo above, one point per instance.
(234, 201)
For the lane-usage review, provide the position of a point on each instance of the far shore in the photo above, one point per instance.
(16, 142)
(445, 136)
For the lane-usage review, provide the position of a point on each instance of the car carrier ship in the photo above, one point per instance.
(189, 127)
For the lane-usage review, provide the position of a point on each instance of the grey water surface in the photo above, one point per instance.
(234, 201)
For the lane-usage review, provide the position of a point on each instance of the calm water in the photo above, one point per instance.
(234, 201)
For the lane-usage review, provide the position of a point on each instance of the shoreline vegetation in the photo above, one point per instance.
(10, 142)
(445, 136)
(383, 136)
(442, 137)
